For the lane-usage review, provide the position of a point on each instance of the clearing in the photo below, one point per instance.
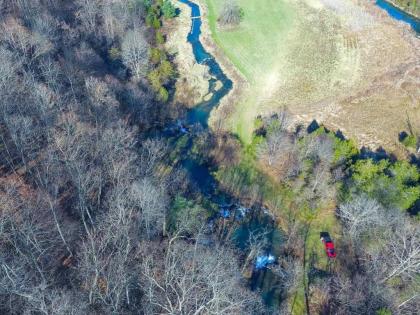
(347, 65)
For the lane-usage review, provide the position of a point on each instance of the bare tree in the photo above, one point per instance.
(88, 14)
(8, 65)
(196, 280)
(152, 152)
(152, 201)
(290, 271)
(256, 244)
(29, 245)
(402, 252)
(361, 215)
(135, 53)
(319, 148)
(119, 16)
(231, 13)
(19, 38)
(276, 146)
(105, 257)
(359, 295)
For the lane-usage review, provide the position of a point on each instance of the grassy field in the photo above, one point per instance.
(254, 47)
(324, 61)
(256, 44)
(411, 6)
(288, 54)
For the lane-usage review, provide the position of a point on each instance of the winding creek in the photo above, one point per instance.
(244, 219)
(201, 112)
(259, 273)
(399, 15)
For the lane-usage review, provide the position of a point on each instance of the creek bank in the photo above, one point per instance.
(226, 107)
(400, 14)
(193, 82)
(237, 221)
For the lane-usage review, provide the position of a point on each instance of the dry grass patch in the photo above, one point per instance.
(349, 66)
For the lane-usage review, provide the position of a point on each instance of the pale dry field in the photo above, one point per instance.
(348, 65)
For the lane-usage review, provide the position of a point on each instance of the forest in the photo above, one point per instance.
(100, 211)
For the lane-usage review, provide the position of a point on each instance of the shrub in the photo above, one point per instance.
(383, 311)
(168, 10)
(114, 53)
(152, 19)
(163, 94)
(159, 38)
(166, 71)
(154, 79)
(410, 141)
(157, 55)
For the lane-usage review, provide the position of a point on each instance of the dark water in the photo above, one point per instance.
(201, 112)
(252, 219)
(399, 14)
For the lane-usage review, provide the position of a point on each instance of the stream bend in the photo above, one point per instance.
(201, 112)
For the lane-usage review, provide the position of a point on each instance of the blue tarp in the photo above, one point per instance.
(225, 213)
(264, 260)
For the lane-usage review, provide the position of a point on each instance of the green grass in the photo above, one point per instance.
(246, 179)
(256, 44)
(411, 6)
(253, 47)
(289, 54)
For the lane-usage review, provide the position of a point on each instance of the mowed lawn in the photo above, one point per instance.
(256, 48)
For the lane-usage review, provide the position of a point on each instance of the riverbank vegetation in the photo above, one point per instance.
(411, 6)
(313, 180)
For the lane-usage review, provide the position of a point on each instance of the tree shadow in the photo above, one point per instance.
(313, 126)
(376, 155)
(415, 209)
(402, 136)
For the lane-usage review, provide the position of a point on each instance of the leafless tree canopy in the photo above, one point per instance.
(196, 280)
(362, 215)
(85, 191)
(135, 52)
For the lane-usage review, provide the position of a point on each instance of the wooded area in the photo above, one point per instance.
(98, 215)
(84, 195)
